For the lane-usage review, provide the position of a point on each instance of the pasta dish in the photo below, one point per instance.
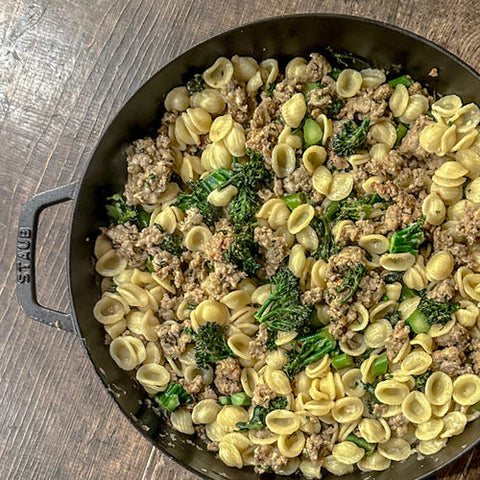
(292, 272)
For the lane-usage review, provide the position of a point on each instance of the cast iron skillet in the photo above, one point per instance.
(279, 37)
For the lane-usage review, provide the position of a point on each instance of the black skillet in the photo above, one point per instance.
(282, 37)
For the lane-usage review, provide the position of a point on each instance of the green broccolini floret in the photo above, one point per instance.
(309, 349)
(195, 84)
(408, 239)
(283, 309)
(120, 213)
(242, 252)
(421, 381)
(173, 397)
(210, 344)
(394, 316)
(199, 193)
(435, 311)
(351, 139)
(351, 282)
(171, 243)
(370, 399)
(321, 225)
(359, 208)
(257, 420)
(334, 107)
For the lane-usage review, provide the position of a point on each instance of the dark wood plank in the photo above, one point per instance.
(66, 67)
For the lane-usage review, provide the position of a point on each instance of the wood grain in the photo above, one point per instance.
(66, 67)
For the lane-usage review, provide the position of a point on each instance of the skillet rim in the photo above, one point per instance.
(81, 185)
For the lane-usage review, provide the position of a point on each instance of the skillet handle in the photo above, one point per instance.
(25, 261)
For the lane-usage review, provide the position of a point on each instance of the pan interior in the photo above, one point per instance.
(282, 38)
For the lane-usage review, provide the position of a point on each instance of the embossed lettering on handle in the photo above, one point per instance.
(25, 261)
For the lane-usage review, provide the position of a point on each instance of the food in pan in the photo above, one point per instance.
(292, 271)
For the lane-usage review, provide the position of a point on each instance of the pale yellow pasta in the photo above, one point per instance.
(439, 266)
(472, 191)
(300, 218)
(102, 246)
(396, 449)
(391, 392)
(417, 106)
(415, 277)
(177, 99)
(416, 408)
(283, 160)
(244, 68)
(219, 74)
(240, 345)
(197, 238)
(110, 264)
(295, 67)
(221, 127)
(399, 100)
(262, 437)
(375, 431)
(352, 382)
(337, 468)
(384, 132)
(153, 377)
(109, 309)
(205, 411)
(470, 160)
(466, 118)
(454, 424)
(293, 110)
(311, 469)
(374, 463)
(114, 330)
(466, 389)
(431, 447)
(348, 409)
(431, 137)
(340, 187)
(326, 126)
(279, 216)
(282, 422)
(361, 322)
(133, 294)
(269, 70)
(416, 362)
(349, 82)
(230, 415)
(347, 453)
(322, 180)
(355, 347)
(210, 100)
(278, 381)
(293, 140)
(372, 77)
(297, 260)
(377, 333)
(397, 262)
(229, 455)
(235, 140)
(429, 430)
(308, 238)
(291, 446)
(210, 311)
(127, 352)
(374, 244)
(221, 198)
(236, 300)
(434, 209)
(216, 156)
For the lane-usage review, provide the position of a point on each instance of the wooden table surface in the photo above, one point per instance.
(66, 67)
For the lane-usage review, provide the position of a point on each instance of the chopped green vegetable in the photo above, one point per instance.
(224, 400)
(342, 361)
(362, 443)
(241, 399)
(421, 381)
(312, 132)
(257, 420)
(359, 208)
(404, 80)
(477, 406)
(272, 338)
(283, 309)
(351, 139)
(308, 350)
(351, 282)
(408, 239)
(195, 84)
(347, 60)
(294, 200)
(171, 243)
(120, 213)
(370, 399)
(210, 344)
(429, 312)
(309, 87)
(149, 265)
(380, 366)
(173, 397)
(406, 292)
(402, 130)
